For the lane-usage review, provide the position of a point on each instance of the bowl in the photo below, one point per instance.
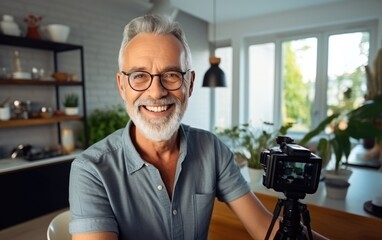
(56, 32)
(60, 76)
(21, 75)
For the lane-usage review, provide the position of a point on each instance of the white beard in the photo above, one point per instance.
(158, 129)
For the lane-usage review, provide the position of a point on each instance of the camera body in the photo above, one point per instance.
(290, 168)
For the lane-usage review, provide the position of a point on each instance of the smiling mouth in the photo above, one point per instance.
(157, 109)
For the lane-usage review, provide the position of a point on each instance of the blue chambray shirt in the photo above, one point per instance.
(113, 189)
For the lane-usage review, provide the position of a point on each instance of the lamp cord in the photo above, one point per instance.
(214, 12)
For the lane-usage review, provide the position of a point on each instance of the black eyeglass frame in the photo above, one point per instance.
(152, 77)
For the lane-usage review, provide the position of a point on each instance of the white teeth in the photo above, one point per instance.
(157, 108)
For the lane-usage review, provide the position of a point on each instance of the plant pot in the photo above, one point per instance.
(256, 175)
(336, 188)
(71, 110)
(341, 173)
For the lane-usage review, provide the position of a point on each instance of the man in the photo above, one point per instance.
(157, 178)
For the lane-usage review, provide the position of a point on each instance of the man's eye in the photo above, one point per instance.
(139, 75)
(171, 75)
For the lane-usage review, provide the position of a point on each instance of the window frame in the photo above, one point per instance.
(322, 34)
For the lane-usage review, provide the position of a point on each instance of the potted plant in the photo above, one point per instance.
(355, 124)
(345, 127)
(103, 122)
(71, 104)
(247, 143)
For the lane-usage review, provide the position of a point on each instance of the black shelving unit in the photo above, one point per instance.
(56, 48)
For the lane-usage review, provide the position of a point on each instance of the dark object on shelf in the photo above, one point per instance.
(30, 153)
(372, 208)
(369, 163)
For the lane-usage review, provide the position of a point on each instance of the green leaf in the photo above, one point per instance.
(324, 150)
(103, 122)
(321, 127)
(363, 129)
(337, 151)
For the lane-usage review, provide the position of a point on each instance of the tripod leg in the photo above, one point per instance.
(306, 219)
(276, 213)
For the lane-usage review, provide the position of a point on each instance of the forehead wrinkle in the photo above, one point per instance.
(149, 51)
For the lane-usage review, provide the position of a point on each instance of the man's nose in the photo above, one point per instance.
(156, 90)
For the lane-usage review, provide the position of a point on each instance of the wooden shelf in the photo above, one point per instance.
(39, 82)
(38, 121)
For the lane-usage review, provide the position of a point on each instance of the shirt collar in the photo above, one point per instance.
(133, 160)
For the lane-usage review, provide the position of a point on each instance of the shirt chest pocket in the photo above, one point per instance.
(203, 206)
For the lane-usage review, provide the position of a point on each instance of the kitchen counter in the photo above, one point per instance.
(10, 165)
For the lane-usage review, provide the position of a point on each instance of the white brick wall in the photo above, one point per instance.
(96, 25)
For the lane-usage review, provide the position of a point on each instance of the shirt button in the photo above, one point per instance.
(174, 212)
(160, 187)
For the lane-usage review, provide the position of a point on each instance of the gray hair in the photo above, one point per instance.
(157, 24)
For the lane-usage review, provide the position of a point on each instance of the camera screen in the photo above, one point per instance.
(295, 175)
(294, 172)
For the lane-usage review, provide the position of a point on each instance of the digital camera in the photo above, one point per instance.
(290, 168)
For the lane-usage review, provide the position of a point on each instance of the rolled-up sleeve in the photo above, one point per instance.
(89, 204)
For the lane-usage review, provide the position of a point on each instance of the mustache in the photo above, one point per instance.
(148, 101)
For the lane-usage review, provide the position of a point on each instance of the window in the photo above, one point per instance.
(303, 79)
(348, 54)
(298, 78)
(262, 83)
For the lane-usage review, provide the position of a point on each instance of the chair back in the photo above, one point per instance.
(58, 228)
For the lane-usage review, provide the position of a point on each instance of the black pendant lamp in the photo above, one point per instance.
(214, 77)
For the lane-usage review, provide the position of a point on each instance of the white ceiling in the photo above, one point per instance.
(231, 10)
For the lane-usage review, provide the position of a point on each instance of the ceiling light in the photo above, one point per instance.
(214, 77)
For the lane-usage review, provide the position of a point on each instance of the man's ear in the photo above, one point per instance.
(191, 83)
(121, 85)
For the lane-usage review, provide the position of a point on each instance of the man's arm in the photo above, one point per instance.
(95, 236)
(253, 214)
(255, 217)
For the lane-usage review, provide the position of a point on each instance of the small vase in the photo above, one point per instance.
(67, 140)
(33, 33)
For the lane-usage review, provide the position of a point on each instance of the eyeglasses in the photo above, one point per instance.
(141, 80)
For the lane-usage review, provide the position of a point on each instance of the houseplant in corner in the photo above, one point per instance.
(356, 124)
(346, 127)
(71, 104)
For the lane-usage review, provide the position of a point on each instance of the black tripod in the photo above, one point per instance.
(290, 226)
